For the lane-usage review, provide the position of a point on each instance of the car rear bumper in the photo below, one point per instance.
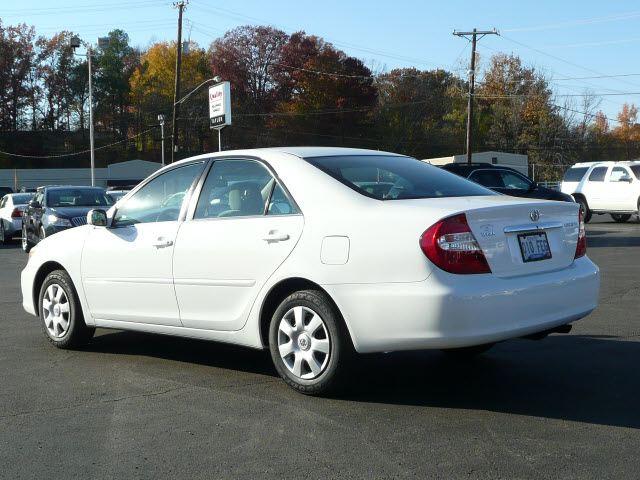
(449, 311)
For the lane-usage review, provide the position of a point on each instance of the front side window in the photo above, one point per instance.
(597, 174)
(235, 188)
(161, 199)
(617, 173)
(387, 177)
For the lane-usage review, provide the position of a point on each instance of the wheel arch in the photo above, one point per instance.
(45, 269)
(282, 290)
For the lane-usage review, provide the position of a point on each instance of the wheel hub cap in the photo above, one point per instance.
(304, 343)
(56, 312)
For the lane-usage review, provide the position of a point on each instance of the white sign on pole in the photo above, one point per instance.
(220, 105)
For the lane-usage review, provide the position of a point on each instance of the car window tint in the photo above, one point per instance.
(21, 199)
(575, 174)
(617, 173)
(77, 197)
(597, 174)
(389, 177)
(636, 171)
(488, 178)
(513, 181)
(280, 203)
(161, 199)
(3, 202)
(234, 188)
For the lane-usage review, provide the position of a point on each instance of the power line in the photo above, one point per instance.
(73, 154)
(572, 23)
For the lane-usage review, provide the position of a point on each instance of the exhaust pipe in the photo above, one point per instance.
(540, 335)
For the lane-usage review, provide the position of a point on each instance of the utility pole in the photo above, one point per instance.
(472, 80)
(176, 90)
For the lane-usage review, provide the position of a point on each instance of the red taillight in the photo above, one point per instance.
(450, 245)
(17, 213)
(581, 247)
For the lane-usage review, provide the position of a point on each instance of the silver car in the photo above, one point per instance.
(12, 207)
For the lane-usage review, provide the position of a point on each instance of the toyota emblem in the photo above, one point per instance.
(534, 215)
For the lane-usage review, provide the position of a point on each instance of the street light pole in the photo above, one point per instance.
(161, 121)
(93, 158)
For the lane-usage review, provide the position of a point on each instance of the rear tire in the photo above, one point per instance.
(620, 218)
(468, 353)
(3, 238)
(584, 207)
(26, 244)
(60, 312)
(309, 344)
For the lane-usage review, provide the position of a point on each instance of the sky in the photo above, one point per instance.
(568, 40)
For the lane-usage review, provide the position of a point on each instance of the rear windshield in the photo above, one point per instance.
(386, 177)
(78, 197)
(22, 198)
(575, 174)
(636, 171)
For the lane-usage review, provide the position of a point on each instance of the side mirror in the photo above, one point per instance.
(35, 204)
(97, 218)
(626, 178)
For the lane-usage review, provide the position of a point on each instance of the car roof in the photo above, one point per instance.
(65, 187)
(628, 163)
(302, 152)
(467, 169)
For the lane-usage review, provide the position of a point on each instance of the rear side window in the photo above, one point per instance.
(575, 174)
(597, 174)
(386, 177)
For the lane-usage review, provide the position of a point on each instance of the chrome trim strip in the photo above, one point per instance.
(532, 228)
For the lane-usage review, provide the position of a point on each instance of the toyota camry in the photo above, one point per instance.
(316, 254)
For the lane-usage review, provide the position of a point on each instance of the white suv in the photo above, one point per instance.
(605, 187)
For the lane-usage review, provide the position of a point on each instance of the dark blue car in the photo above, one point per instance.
(53, 209)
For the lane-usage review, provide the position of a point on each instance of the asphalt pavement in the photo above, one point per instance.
(132, 405)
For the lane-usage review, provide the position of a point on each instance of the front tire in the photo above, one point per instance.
(309, 345)
(60, 312)
(620, 218)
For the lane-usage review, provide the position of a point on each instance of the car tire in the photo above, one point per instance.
(309, 344)
(60, 312)
(620, 218)
(26, 244)
(3, 238)
(584, 206)
(468, 353)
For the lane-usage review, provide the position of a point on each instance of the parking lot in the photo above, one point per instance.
(142, 406)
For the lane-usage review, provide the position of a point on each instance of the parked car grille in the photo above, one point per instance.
(78, 221)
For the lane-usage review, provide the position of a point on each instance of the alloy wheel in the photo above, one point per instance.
(55, 306)
(303, 342)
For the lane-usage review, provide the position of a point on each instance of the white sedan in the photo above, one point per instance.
(12, 207)
(316, 253)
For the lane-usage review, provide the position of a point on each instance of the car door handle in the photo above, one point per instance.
(162, 242)
(275, 236)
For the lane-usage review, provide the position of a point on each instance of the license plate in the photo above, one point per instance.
(534, 247)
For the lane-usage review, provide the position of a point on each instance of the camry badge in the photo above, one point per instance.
(534, 215)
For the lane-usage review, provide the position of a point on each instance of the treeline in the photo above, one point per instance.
(287, 90)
